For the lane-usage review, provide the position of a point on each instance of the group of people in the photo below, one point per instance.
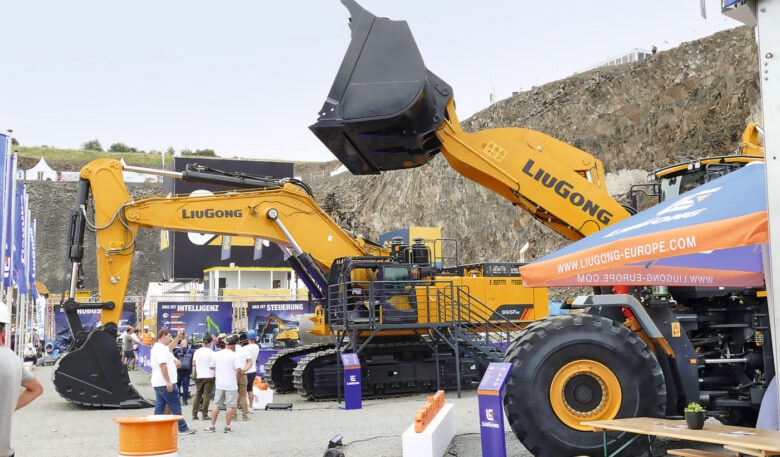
(226, 365)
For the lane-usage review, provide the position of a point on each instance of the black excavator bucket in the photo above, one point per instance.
(384, 105)
(93, 375)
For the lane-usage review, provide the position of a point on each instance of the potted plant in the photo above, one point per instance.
(694, 416)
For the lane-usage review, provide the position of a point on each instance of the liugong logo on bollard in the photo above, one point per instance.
(490, 421)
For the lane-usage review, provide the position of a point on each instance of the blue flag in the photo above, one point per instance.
(3, 168)
(227, 242)
(10, 211)
(257, 254)
(18, 263)
(31, 264)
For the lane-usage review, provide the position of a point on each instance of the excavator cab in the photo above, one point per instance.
(381, 113)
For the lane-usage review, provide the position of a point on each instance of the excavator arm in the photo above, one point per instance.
(387, 111)
(281, 212)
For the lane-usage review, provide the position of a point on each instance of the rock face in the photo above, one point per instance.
(689, 102)
(51, 204)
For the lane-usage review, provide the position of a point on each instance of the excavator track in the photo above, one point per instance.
(279, 368)
(389, 370)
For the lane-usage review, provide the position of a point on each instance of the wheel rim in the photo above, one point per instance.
(585, 390)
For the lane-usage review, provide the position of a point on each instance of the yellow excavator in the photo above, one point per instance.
(403, 299)
(91, 374)
(644, 357)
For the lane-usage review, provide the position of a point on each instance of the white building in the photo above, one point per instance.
(634, 55)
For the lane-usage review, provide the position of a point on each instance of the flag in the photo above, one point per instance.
(10, 210)
(19, 238)
(31, 264)
(3, 168)
(227, 241)
(4, 210)
(258, 252)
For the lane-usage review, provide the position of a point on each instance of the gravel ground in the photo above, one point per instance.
(52, 427)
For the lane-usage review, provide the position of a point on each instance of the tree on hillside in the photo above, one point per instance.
(121, 147)
(199, 153)
(14, 142)
(92, 145)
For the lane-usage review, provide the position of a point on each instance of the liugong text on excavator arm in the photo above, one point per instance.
(386, 111)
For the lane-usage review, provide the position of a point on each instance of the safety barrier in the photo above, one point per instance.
(432, 430)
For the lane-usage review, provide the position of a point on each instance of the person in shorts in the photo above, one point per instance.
(130, 342)
(228, 369)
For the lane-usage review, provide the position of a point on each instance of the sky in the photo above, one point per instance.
(246, 78)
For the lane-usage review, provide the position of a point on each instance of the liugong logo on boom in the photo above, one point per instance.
(564, 190)
(211, 213)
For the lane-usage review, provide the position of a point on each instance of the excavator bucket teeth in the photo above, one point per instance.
(384, 106)
(93, 375)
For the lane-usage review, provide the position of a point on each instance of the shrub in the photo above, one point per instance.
(92, 145)
(694, 407)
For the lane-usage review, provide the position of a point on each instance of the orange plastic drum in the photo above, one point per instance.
(153, 436)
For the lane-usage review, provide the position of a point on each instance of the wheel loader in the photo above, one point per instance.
(645, 356)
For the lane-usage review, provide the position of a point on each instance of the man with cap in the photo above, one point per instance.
(204, 378)
(228, 369)
(254, 352)
(18, 387)
(243, 385)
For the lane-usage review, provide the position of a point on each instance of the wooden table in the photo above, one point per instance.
(764, 442)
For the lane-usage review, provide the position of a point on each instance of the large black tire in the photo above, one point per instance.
(579, 362)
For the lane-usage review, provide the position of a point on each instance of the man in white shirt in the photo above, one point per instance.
(204, 378)
(18, 387)
(228, 368)
(254, 352)
(164, 366)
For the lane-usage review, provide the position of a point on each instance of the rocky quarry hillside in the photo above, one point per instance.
(689, 102)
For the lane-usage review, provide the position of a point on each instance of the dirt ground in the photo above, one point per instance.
(52, 427)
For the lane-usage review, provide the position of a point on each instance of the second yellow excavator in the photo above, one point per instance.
(419, 327)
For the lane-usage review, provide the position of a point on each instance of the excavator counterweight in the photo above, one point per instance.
(381, 114)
